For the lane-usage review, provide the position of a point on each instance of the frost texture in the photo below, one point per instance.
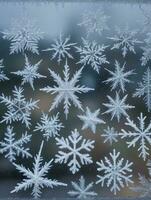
(117, 107)
(81, 190)
(146, 57)
(110, 135)
(117, 172)
(49, 126)
(144, 88)
(90, 119)
(29, 73)
(61, 48)
(18, 109)
(66, 89)
(12, 147)
(119, 78)
(3, 76)
(72, 151)
(23, 36)
(36, 177)
(125, 39)
(92, 54)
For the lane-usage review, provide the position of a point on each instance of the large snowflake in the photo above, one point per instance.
(29, 73)
(117, 172)
(91, 119)
(49, 126)
(119, 77)
(61, 48)
(36, 177)
(92, 54)
(139, 135)
(13, 147)
(81, 190)
(23, 35)
(66, 89)
(3, 76)
(125, 39)
(72, 151)
(117, 107)
(18, 108)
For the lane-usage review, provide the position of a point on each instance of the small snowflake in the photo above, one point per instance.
(92, 54)
(119, 77)
(110, 135)
(36, 176)
(18, 108)
(91, 119)
(66, 89)
(61, 48)
(81, 190)
(117, 172)
(140, 136)
(146, 50)
(29, 73)
(94, 22)
(125, 39)
(117, 107)
(49, 126)
(72, 151)
(3, 76)
(13, 147)
(23, 35)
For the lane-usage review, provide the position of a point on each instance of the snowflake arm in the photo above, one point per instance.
(146, 57)
(3, 76)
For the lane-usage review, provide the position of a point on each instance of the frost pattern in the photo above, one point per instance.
(72, 151)
(81, 190)
(117, 172)
(66, 89)
(3, 76)
(12, 147)
(18, 109)
(36, 177)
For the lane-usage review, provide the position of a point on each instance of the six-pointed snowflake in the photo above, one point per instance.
(92, 54)
(72, 151)
(91, 119)
(3, 76)
(110, 135)
(36, 177)
(81, 190)
(117, 172)
(13, 147)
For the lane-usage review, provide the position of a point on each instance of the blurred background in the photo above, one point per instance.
(52, 18)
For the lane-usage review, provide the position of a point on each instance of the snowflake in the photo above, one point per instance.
(117, 107)
(3, 77)
(110, 135)
(36, 177)
(144, 89)
(18, 108)
(66, 89)
(91, 119)
(13, 147)
(23, 35)
(119, 76)
(140, 136)
(146, 50)
(61, 48)
(92, 54)
(49, 125)
(29, 73)
(117, 172)
(125, 39)
(81, 190)
(94, 22)
(72, 151)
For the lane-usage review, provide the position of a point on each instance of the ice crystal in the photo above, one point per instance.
(117, 172)
(13, 147)
(117, 107)
(110, 135)
(91, 119)
(36, 177)
(18, 109)
(3, 76)
(146, 57)
(72, 151)
(91, 54)
(66, 89)
(49, 126)
(81, 190)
